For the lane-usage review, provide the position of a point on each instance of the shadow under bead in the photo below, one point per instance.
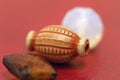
(29, 67)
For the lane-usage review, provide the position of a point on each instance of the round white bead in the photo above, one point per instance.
(86, 23)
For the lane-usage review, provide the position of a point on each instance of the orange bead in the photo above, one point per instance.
(57, 43)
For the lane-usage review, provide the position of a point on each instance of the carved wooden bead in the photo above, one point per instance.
(57, 43)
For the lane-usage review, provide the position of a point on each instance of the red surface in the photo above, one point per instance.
(17, 17)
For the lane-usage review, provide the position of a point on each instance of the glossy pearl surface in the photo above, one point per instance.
(86, 23)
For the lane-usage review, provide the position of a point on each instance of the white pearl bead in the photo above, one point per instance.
(86, 23)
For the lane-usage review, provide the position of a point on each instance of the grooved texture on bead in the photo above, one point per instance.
(58, 43)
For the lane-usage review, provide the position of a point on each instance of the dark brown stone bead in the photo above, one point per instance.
(29, 67)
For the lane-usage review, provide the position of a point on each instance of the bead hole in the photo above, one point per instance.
(86, 47)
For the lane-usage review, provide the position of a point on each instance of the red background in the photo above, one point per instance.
(17, 17)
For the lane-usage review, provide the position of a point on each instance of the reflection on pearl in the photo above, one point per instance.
(86, 23)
